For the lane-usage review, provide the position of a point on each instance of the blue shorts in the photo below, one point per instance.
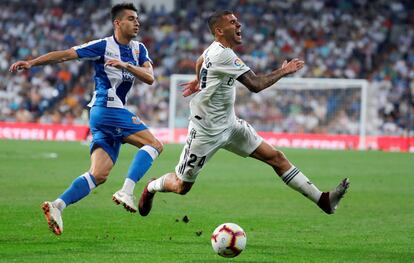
(109, 126)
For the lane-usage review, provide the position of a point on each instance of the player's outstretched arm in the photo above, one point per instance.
(144, 73)
(48, 58)
(257, 83)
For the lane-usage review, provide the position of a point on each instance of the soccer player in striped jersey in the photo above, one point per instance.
(214, 125)
(118, 61)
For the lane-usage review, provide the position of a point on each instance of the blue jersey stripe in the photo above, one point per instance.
(122, 91)
(92, 50)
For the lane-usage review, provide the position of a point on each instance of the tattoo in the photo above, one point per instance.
(258, 83)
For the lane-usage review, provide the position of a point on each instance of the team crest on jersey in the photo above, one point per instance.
(136, 120)
(238, 62)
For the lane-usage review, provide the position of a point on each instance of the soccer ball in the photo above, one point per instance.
(228, 240)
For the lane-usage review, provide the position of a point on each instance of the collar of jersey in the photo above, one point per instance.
(119, 44)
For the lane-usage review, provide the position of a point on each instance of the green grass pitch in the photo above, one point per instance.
(374, 223)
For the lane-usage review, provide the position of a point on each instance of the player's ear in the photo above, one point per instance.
(218, 31)
(116, 22)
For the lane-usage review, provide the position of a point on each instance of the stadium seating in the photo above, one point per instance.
(339, 39)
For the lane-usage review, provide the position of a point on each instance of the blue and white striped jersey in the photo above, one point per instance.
(112, 84)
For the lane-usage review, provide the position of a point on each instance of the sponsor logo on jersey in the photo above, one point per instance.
(238, 62)
(126, 75)
(110, 54)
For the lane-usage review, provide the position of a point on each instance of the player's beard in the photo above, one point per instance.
(237, 40)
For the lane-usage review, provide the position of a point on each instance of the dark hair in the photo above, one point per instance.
(215, 17)
(119, 8)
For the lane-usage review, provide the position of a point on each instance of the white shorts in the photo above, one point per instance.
(240, 138)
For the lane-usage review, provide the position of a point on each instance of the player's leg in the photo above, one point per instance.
(288, 173)
(104, 150)
(150, 148)
(166, 183)
(294, 178)
(101, 165)
(170, 182)
(246, 142)
(195, 154)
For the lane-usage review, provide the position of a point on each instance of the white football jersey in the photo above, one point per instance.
(212, 109)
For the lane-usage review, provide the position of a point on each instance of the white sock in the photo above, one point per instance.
(298, 181)
(128, 186)
(59, 204)
(157, 185)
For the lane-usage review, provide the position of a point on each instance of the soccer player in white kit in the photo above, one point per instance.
(214, 125)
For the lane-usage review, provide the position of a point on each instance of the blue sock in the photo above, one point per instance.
(80, 188)
(142, 162)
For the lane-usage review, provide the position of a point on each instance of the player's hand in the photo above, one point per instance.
(190, 87)
(293, 65)
(116, 63)
(20, 65)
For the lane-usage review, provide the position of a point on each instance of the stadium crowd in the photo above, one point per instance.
(371, 40)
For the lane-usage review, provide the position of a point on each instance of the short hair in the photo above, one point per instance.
(117, 10)
(215, 17)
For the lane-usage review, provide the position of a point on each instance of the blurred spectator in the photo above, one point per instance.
(338, 39)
